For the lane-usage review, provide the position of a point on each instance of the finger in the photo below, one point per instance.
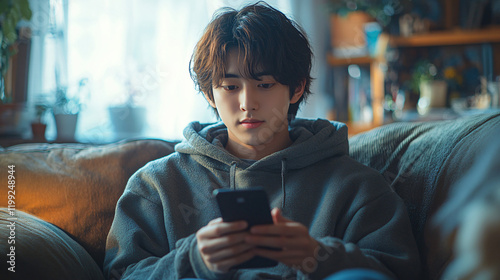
(224, 265)
(229, 252)
(217, 229)
(215, 221)
(278, 216)
(280, 242)
(209, 246)
(286, 229)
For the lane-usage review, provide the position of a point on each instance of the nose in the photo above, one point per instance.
(248, 100)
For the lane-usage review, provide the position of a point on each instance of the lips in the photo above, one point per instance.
(251, 123)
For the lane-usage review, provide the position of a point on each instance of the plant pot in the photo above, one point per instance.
(66, 127)
(432, 95)
(38, 130)
(127, 121)
(348, 37)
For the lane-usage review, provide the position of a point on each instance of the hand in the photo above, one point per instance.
(291, 237)
(222, 245)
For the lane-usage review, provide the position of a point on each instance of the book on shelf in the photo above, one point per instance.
(474, 13)
(352, 94)
(359, 101)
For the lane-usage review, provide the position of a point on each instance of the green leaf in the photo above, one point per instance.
(15, 14)
(4, 6)
(9, 29)
(6, 27)
(25, 9)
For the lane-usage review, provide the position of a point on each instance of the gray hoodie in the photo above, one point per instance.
(349, 208)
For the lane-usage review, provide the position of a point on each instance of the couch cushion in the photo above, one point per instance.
(422, 161)
(76, 186)
(41, 251)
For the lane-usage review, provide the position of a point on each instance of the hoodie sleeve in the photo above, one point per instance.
(378, 237)
(137, 246)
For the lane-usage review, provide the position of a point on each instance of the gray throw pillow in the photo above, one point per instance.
(35, 249)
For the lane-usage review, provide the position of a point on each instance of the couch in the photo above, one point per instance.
(63, 195)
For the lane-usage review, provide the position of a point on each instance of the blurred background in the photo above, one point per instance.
(97, 71)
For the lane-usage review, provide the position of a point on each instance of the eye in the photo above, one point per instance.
(229, 88)
(267, 86)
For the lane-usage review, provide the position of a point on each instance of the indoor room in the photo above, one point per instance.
(365, 129)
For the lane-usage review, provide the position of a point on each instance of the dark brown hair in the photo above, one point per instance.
(267, 40)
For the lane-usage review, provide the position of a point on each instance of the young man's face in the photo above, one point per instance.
(254, 111)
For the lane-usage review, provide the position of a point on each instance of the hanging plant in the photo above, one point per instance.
(11, 13)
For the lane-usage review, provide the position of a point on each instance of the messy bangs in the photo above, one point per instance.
(256, 47)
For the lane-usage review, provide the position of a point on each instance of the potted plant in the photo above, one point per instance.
(38, 125)
(433, 89)
(66, 110)
(128, 116)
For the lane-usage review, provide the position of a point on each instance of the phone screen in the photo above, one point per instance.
(250, 205)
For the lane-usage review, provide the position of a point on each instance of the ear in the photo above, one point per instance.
(299, 91)
(212, 103)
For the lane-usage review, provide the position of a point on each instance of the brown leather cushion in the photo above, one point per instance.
(75, 186)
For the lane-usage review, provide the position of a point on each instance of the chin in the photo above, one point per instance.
(254, 143)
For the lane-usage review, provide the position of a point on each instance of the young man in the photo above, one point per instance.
(330, 212)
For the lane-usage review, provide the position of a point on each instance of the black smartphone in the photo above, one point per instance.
(250, 205)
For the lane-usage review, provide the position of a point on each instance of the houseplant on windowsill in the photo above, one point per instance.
(127, 116)
(66, 111)
(38, 125)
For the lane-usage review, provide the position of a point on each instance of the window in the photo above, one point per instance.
(125, 52)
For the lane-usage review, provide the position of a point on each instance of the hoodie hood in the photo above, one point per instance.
(313, 141)
(347, 207)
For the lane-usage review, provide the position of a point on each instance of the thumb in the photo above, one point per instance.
(278, 216)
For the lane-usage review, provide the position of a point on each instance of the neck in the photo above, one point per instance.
(245, 151)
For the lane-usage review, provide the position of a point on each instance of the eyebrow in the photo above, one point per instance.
(258, 75)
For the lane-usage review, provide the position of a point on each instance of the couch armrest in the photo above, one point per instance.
(422, 162)
(76, 186)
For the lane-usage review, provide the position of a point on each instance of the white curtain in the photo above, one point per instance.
(139, 50)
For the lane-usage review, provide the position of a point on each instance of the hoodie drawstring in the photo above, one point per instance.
(283, 190)
(232, 178)
(232, 175)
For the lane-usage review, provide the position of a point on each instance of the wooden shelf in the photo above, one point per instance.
(449, 38)
(335, 61)
(362, 60)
